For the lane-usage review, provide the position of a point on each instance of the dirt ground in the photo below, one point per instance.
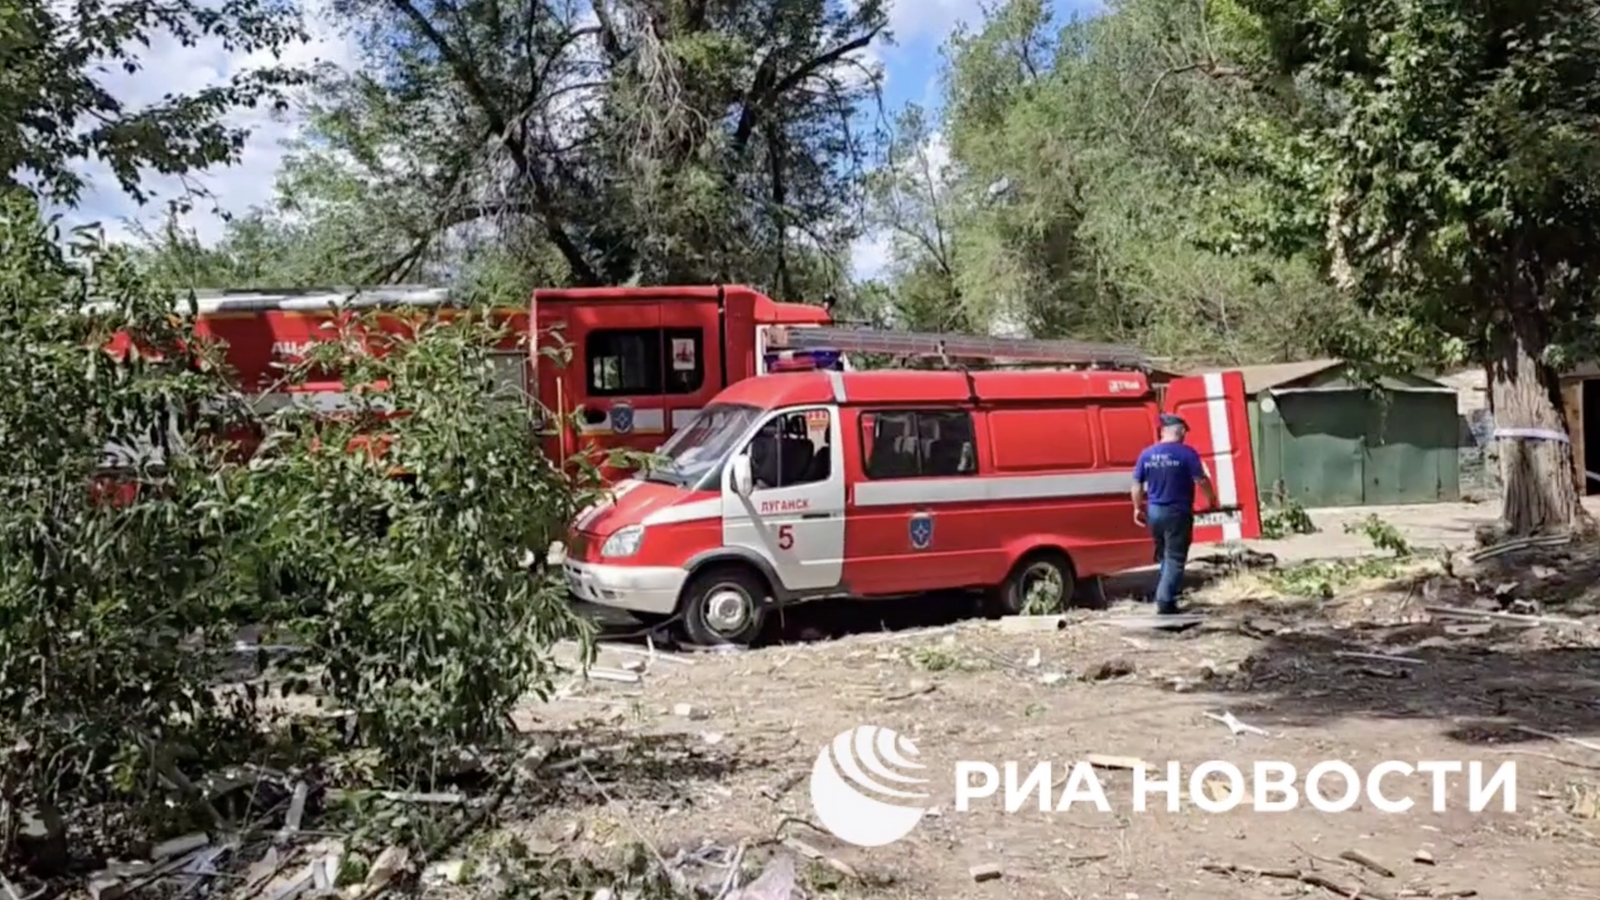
(711, 750)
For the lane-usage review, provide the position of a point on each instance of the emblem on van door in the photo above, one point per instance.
(921, 530)
(622, 417)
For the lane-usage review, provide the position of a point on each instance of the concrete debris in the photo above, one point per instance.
(1021, 624)
(985, 872)
(690, 711)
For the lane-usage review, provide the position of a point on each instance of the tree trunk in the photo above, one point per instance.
(1525, 394)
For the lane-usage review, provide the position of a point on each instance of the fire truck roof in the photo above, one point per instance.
(208, 301)
(902, 386)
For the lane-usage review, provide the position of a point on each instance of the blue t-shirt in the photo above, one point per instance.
(1168, 471)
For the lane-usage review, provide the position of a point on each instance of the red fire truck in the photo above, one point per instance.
(643, 361)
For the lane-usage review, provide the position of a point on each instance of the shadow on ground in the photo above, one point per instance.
(1484, 677)
(833, 619)
(671, 769)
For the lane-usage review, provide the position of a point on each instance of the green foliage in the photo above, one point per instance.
(1284, 520)
(1441, 164)
(57, 115)
(1080, 195)
(413, 598)
(416, 589)
(1384, 537)
(107, 609)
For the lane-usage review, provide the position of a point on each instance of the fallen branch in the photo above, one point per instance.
(1315, 879)
(1540, 754)
(1366, 862)
(1551, 736)
(1379, 657)
(1457, 612)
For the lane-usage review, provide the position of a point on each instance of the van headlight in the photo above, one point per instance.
(625, 542)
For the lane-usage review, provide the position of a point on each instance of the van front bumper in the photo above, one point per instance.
(645, 589)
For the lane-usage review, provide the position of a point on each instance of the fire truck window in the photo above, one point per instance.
(947, 444)
(931, 444)
(645, 361)
(894, 445)
(783, 453)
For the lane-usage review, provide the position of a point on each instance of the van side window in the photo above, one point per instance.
(792, 449)
(925, 444)
(625, 362)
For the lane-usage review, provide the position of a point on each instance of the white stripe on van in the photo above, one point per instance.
(972, 488)
(836, 381)
(681, 418)
(1227, 482)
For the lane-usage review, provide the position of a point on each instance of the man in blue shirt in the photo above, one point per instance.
(1164, 479)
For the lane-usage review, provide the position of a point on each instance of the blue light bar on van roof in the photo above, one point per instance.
(803, 360)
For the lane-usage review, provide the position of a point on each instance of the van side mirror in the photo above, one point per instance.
(740, 475)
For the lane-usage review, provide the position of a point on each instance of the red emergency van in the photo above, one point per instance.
(800, 486)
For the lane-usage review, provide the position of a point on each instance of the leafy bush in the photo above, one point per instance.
(416, 591)
(120, 600)
(104, 605)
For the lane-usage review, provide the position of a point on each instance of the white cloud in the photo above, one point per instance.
(171, 68)
(870, 255)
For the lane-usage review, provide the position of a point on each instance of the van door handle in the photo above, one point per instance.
(816, 515)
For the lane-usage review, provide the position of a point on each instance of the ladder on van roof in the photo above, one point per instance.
(957, 346)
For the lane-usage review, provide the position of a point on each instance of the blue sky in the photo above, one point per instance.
(911, 68)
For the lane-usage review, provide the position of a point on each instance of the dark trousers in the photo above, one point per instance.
(1172, 528)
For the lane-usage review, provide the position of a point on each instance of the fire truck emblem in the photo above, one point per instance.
(921, 529)
(622, 418)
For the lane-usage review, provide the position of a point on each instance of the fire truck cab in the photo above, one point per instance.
(819, 484)
(642, 362)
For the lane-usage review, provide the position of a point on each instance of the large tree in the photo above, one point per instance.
(599, 143)
(57, 111)
(1444, 166)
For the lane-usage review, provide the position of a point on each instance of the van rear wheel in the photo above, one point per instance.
(1041, 582)
(725, 605)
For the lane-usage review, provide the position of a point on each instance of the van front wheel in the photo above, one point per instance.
(1042, 582)
(725, 605)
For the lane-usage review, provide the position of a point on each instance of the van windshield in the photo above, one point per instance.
(696, 453)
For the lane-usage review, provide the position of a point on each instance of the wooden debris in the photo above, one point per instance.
(914, 689)
(1021, 624)
(810, 852)
(1463, 613)
(1315, 879)
(985, 872)
(1380, 657)
(1366, 862)
(296, 813)
(1472, 630)
(652, 655)
(178, 846)
(616, 675)
(1124, 763)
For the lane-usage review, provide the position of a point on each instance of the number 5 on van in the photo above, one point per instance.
(785, 537)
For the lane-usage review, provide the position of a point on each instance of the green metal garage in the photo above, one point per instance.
(1320, 439)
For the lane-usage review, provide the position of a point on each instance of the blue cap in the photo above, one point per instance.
(1170, 421)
